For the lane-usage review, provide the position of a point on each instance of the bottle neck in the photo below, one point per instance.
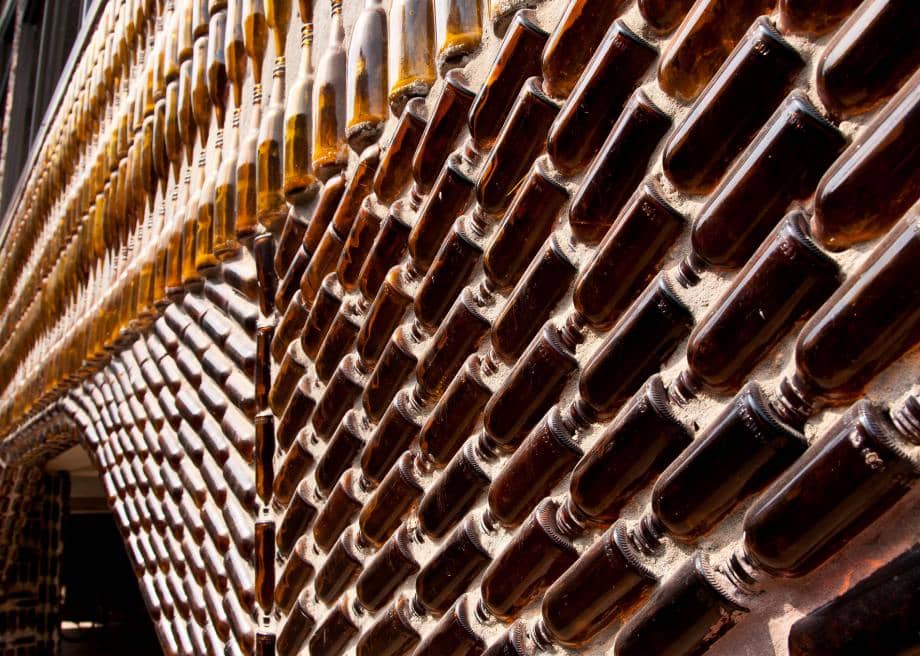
(906, 419)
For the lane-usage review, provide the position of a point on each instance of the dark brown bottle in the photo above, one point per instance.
(868, 323)
(627, 258)
(339, 395)
(664, 15)
(636, 348)
(390, 502)
(263, 370)
(545, 281)
(453, 635)
(531, 388)
(322, 263)
(338, 341)
(750, 84)
(455, 415)
(746, 443)
(397, 429)
(298, 626)
(384, 315)
(875, 616)
(516, 61)
(547, 454)
(335, 632)
(642, 441)
(605, 583)
(340, 452)
(883, 162)
(615, 69)
(576, 36)
(616, 171)
(264, 455)
(387, 250)
(359, 187)
(339, 570)
(325, 307)
(452, 569)
(783, 164)
(387, 571)
(705, 38)
(265, 563)
(293, 368)
(295, 576)
(786, 280)
(328, 202)
(521, 139)
(297, 518)
(397, 362)
(869, 58)
(341, 507)
(358, 245)
(845, 481)
(395, 170)
(525, 226)
(686, 615)
(445, 124)
(449, 197)
(460, 334)
(292, 322)
(297, 412)
(455, 491)
(392, 634)
(263, 250)
(536, 557)
(813, 17)
(295, 226)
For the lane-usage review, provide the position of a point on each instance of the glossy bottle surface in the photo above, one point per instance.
(446, 122)
(411, 58)
(366, 89)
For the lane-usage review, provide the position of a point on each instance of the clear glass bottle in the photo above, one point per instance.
(366, 89)
(411, 58)
(330, 151)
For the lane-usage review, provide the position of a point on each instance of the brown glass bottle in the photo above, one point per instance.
(746, 443)
(453, 635)
(525, 226)
(293, 469)
(340, 509)
(783, 164)
(298, 626)
(531, 388)
(358, 188)
(453, 493)
(325, 307)
(577, 35)
(387, 251)
(449, 197)
(397, 362)
(750, 84)
(295, 576)
(606, 582)
(786, 280)
(339, 570)
(452, 569)
(869, 322)
(411, 57)
(516, 61)
(339, 395)
(297, 412)
(636, 348)
(326, 206)
(330, 151)
(366, 89)
(664, 15)
(616, 171)
(357, 247)
(395, 170)
(338, 341)
(869, 58)
(813, 17)
(596, 101)
(264, 455)
(293, 367)
(873, 616)
(384, 316)
(334, 633)
(391, 501)
(445, 124)
(392, 634)
(340, 452)
(297, 518)
(521, 139)
(883, 162)
(387, 571)
(686, 615)
(535, 558)
(396, 430)
(853, 473)
(291, 323)
(627, 258)
(705, 38)
(265, 563)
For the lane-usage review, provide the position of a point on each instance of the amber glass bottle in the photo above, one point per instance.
(330, 152)
(393, 634)
(883, 159)
(577, 35)
(446, 122)
(300, 183)
(596, 101)
(452, 569)
(869, 59)
(453, 635)
(867, 324)
(411, 56)
(392, 565)
(664, 15)
(294, 577)
(395, 171)
(335, 632)
(705, 38)
(748, 87)
(787, 279)
(366, 104)
(813, 18)
(458, 31)
(297, 628)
